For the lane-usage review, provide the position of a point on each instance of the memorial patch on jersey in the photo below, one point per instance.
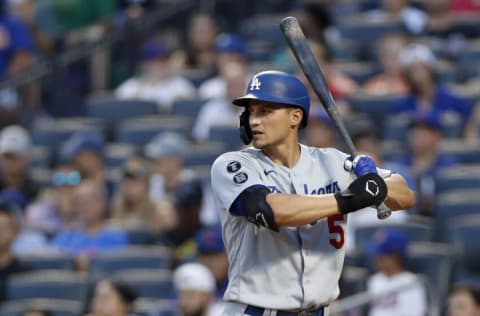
(240, 178)
(233, 166)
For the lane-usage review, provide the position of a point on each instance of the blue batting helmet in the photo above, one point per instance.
(277, 87)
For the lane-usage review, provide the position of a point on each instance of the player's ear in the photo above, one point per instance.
(296, 116)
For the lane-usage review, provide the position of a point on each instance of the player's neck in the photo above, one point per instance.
(284, 154)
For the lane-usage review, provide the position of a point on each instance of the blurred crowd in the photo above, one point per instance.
(404, 74)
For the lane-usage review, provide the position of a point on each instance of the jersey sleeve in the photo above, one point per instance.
(231, 174)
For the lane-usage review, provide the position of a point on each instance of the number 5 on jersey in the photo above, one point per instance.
(337, 234)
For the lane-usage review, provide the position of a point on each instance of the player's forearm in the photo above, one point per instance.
(399, 197)
(299, 210)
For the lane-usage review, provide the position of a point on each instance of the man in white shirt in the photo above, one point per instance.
(389, 247)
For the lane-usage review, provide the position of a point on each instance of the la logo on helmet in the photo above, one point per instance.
(255, 85)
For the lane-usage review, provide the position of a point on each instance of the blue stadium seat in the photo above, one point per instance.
(112, 111)
(465, 232)
(417, 230)
(53, 133)
(450, 205)
(48, 262)
(366, 31)
(159, 308)
(360, 72)
(458, 177)
(116, 154)
(148, 283)
(55, 306)
(187, 108)
(55, 284)
(228, 135)
(134, 257)
(140, 131)
(203, 154)
(434, 261)
(465, 153)
(353, 280)
(41, 157)
(140, 237)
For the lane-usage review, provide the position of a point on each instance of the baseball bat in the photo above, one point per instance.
(298, 44)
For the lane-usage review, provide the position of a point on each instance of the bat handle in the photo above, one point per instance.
(383, 211)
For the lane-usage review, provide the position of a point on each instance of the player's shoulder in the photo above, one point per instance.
(233, 160)
(324, 151)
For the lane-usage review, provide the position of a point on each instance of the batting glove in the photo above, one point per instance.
(361, 165)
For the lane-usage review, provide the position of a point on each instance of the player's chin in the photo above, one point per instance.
(258, 144)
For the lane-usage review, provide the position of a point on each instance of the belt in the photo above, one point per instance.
(259, 311)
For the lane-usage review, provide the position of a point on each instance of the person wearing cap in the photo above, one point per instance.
(15, 145)
(230, 49)
(428, 94)
(194, 285)
(424, 159)
(157, 80)
(211, 253)
(220, 111)
(389, 247)
(85, 152)
(320, 131)
(132, 208)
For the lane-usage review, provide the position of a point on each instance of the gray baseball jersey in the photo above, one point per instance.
(297, 267)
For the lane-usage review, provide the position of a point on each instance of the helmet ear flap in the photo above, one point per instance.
(245, 131)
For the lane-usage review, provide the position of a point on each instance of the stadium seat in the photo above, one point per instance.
(465, 153)
(48, 262)
(111, 110)
(116, 154)
(360, 72)
(203, 154)
(417, 230)
(53, 133)
(187, 108)
(434, 261)
(40, 157)
(458, 177)
(140, 131)
(365, 31)
(156, 307)
(228, 135)
(353, 280)
(55, 284)
(134, 257)
(450, 205)
(140, 237)
(376, 107)
(54, 306)
(464, 232)
(148, 283)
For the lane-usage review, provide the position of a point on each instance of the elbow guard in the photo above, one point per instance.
(252, 204)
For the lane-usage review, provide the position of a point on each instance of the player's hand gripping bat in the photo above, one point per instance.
(300, 48)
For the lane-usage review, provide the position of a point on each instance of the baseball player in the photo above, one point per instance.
(284, 205)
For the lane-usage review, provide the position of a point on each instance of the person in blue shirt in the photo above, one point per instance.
(428, 94)
(93, 235)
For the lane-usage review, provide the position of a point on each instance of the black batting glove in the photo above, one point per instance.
(367, 190)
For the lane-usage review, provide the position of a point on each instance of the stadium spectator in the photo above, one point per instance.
(427, 93)
(188, 199)
(211, 253)
(390, 80)
(200, 52)
(15, 145)
(112, 298)
(231, 49)
(320, 131)
(413, 19)
(94, 236)
(132, 208)
(164, 218)
(424, 159)
(85, 152)
(195, 287)
(390, 250)
(53, 209)
(465, 6)
(463, 300)
(221, 111)
(35, 312)
(166, 152)
(9, 264)
(157, 80)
